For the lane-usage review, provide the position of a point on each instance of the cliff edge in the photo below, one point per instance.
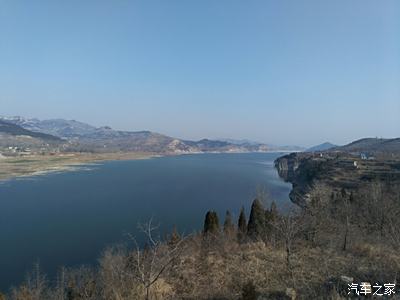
(334, 171)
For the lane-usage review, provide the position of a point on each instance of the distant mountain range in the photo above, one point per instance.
(61, 128)
(271, 147)
(71, 136)
(239, 142)
(78, 136)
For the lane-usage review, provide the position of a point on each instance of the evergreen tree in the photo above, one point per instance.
(249, 291)
(256, 226)
(351, 197)
(215, 223)
(273, 211)
(208, 222)
(229, 228)
(211, 223)
(271, 217)
(343, 193)
(332, 196)
(242, 223)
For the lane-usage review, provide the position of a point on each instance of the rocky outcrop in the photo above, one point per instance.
(291, 168)
(333, 172)
(177, 146)
(287, 166)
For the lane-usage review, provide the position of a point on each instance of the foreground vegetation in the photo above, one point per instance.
(314, 253)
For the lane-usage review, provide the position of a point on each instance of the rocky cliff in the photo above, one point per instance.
(295, 168)
(334, 172)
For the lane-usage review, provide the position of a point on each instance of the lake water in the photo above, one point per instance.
(69, 218)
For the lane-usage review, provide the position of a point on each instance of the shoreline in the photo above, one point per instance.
(38, 165)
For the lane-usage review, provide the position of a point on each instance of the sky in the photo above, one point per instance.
(280, 72)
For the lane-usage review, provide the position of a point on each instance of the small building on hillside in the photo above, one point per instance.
(366, 156)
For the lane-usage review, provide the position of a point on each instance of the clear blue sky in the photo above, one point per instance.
(283, 72)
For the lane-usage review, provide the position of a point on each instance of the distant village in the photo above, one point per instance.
(14, 151)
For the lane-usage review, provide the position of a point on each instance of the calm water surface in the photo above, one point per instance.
(69, 218)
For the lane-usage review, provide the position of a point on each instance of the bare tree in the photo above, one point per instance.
(34, 288)
(346, 206)
(149, 264)
(289, 227)
(115, 275)
(59, 292)
(391, 208)
(82, 283)
(317, 215)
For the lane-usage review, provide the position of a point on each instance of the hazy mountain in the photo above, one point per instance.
(240, 142)
(321, 147)
(84, 137)
(16, 130)
(57, 127)
(208, 144)
(286, 148)
(12, 135)
(271, 147)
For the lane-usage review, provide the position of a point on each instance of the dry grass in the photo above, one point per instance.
(41, 164)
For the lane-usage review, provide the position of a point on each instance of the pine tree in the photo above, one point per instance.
(211, 223)
(273, 212)
(351, 197)
(343, 193)
(215, 227)
(271, 216)
(249, 291)
(229, 228)
(256, 227)
(207, 222)
(242, 225)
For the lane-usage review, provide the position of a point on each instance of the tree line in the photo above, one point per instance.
(260, 225)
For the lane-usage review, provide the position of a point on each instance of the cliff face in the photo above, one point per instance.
(287, 166)
(334, 172)
(291, 168)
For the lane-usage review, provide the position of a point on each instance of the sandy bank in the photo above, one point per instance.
(34, 165)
